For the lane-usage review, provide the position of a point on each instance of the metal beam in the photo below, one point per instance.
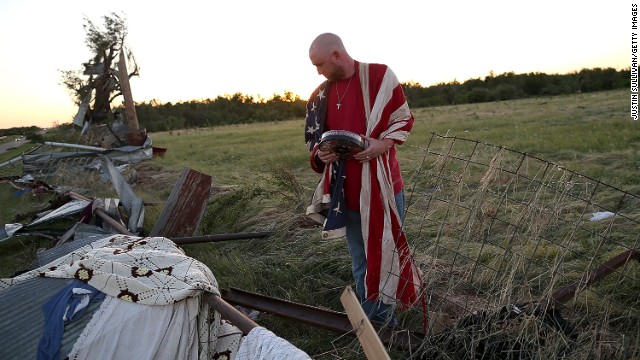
(325, 319)
(220, 237)
(566, 293)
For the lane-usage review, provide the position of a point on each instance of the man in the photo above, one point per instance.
(363, 195)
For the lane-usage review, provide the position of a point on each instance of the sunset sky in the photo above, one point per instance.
(189, 50)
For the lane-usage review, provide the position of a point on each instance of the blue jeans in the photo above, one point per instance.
(375, 310)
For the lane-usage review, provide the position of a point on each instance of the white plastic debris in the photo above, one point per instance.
(26, 179)
(597, 216)
(12, 228)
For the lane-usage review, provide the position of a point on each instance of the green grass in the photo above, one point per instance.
(591, 133)
(263, 183)
(14, 152)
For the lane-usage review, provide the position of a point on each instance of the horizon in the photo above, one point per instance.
(258, 97)
(192, 52)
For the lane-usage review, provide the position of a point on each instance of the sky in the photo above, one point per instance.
(193, 50)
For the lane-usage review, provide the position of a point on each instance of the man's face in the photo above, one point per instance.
(326, 65)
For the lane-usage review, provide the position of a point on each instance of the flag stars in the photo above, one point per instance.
(337, 209)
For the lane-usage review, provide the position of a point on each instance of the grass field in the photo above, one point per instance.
(584, 132)
(263, 183)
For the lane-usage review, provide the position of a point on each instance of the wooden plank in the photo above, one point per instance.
(371, 343)
(186, 204)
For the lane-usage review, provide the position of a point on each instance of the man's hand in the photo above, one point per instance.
(376, 148)
(327, 157)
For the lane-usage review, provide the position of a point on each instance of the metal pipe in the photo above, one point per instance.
(116, 225)
(19, 157)
(103, 215)
(178, 241)
(219, 237)
(230, 313)
(76, 146)
(12, 161)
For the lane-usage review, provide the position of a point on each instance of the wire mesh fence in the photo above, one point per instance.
(48, 162)
(521, 258)
(73, 166)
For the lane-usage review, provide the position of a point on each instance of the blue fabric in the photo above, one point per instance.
(54, 310)
(336, 217)
(375, 310)
(20, 192)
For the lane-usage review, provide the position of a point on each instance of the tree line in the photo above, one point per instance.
(223, 110)
(239, 108)
(509, 86)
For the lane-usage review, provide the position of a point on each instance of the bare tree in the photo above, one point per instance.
(97, 84)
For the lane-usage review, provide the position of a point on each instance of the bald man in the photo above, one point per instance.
(362, 198)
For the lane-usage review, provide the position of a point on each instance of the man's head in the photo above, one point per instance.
(328, 55)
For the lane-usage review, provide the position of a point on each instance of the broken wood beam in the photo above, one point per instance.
(125, 87)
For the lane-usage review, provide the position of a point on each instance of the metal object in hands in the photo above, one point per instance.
(344, 143)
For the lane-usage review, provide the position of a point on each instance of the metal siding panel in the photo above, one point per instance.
(22, 321)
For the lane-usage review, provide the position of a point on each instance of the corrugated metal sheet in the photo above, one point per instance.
(65, 211)
(21, 317)
(71, 208)
(22, 321)
(84, 235)
(133, 205)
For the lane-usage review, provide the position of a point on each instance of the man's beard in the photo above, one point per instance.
(338, 74)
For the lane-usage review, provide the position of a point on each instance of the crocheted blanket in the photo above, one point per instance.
(145, 271)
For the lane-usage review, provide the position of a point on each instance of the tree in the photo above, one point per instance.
(102, 85)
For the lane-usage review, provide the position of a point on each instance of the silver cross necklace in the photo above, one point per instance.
(343, 94)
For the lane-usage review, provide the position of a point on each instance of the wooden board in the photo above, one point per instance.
(186, 204)
(371, 343)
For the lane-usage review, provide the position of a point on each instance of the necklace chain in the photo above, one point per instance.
(343, 94)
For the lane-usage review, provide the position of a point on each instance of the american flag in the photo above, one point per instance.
(316, 113)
